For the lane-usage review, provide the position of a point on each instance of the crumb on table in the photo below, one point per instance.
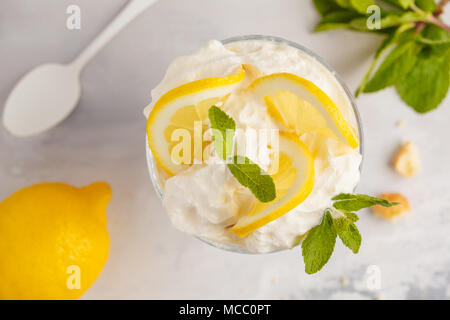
(344, 281)
(394, 212)
(400, 123)
(406, 161)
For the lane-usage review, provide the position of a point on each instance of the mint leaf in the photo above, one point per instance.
(328, 26)
(253, 177)
(222, 124)
(389, 41)
(436, 37)
(394, 67)
(389, 21)
(353, 217)
(344, 3)
(362, 5)
(348, 233)
(336, 20)
(426, 85)
(325, 6)
(426, 5)
(354, 202)
(404, 4)
(318, 245)
(434, 33)
(393, 20)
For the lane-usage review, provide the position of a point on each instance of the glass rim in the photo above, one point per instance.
(151, 164)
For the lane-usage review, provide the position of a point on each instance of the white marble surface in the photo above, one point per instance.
(104, 140)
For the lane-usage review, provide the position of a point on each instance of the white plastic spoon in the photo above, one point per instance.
(49, 93)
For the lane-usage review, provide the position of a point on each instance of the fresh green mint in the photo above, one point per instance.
(415, 52)
(427, 83)
(318, 245)
(404, 4)
(248, 174)
(355, 202)
(223, 129)
(395, 66)
(353, 217)
(339, 220)
(348, 233)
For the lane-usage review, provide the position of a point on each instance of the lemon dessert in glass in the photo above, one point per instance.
(260, 83)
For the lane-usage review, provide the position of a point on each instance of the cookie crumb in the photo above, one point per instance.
(406, 161)
(395, 212)
(400, 123)
(344, 281)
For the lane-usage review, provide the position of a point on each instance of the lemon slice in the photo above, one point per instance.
(294, 181)
(179, 108)
(302, 107)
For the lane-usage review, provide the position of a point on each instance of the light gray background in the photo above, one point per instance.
(104, 140)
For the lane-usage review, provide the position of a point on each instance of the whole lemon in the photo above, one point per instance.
(53, 240)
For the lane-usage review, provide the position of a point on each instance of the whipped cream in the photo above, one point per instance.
(204, 199)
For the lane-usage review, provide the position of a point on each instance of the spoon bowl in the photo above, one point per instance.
(41, 99)
(48, 94)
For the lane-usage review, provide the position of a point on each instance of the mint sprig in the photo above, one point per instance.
(248, 173)
(415, 53)
(318, 245)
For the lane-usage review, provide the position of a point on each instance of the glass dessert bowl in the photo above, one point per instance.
(262, 83)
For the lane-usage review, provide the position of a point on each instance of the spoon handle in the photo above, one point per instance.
(132, 9)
